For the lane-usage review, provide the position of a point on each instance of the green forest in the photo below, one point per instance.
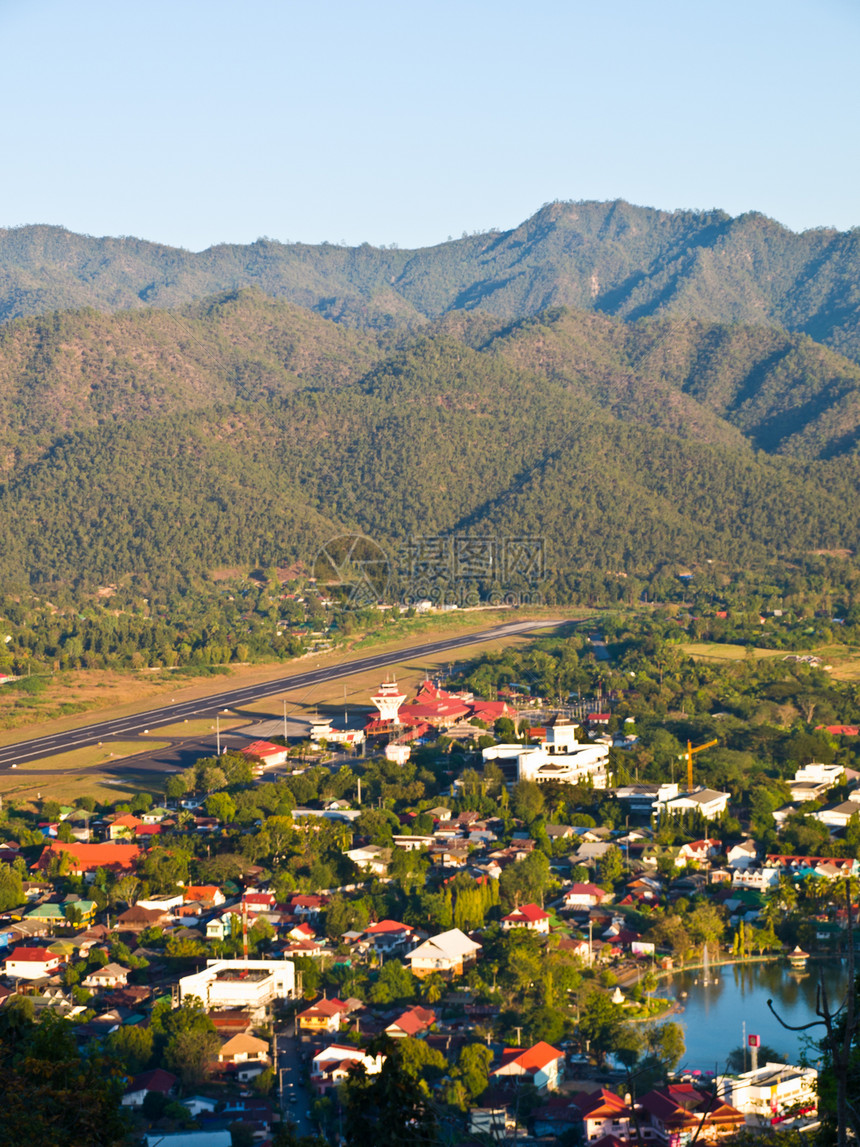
(244, 431)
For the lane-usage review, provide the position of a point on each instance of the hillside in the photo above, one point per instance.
(615, 258)
(244, 430)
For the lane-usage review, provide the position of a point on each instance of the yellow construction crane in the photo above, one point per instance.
(689, 754)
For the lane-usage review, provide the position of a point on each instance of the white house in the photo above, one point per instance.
(742, 855)
(371, 858)
(332, 1065)
(710, 802)
(838, 815)
(448, 954)
(529, 916)
(32, 963)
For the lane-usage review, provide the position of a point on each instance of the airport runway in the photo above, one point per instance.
(32, 750)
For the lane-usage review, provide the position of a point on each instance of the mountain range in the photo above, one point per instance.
(242, 429)
(614, 258)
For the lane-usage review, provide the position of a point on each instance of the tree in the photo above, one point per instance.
(11, 888)
(132, 1045)
(600, 1023)
(387, 1109)
(525, 881)
(52, 1094)
(527, 801)
(473, 1068)
(191, 1053)
(610, 867)
(221, 806)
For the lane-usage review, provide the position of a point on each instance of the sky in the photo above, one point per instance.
(194, 122)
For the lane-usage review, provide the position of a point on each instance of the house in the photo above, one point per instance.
(602, 1113)
(324, 1015)
(542, 1065)
(86, 859)
(389, 936)
(332, 1065)
(709, 802)
(742, 855)
(680, 1109)
(371, 858)
(251, 984)
(530, 916)
(32, 963)
(110, 976)
(243, 1048)
(268, 754)
(158, 1080)
(447, 954)
(136, 919)
(756, 878)
(411, 1022)
(699, 851)
(205, 1138)
(583, 896)
(643, 799)
(124, 827)
(838, 816)
(209, 895)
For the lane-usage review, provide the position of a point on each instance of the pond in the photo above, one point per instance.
(715, 1015)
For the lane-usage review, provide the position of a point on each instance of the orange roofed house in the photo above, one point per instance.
(86, 859)
(542, 1065)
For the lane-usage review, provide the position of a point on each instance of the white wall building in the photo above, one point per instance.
(772, 1090)
(580, 764)
(251, 984)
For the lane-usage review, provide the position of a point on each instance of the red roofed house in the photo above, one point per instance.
(542, 1064)
(86, 859)
(301, 932)
(159, 1080)
(389, 935)
(266, 753)
(32, 963)
(529, 916)
(581, 896)
(603, 1113)
(411, 1022)
(680, 1108)
(207, 894)
(332, 1065)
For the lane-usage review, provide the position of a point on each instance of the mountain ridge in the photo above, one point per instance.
(631, 262)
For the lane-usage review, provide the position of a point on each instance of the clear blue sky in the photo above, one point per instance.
(192, 122)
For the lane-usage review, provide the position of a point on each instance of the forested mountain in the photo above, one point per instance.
(243, 430)
(616, 258)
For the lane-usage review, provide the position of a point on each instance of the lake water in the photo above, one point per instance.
(714, 1014)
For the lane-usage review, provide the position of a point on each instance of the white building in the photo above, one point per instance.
(710, 802)
(769, 1091)
(388, 700)
(578, 765)
(251, 984)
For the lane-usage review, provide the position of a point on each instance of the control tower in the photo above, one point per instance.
(388, 700)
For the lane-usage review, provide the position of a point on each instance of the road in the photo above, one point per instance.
(33, 750)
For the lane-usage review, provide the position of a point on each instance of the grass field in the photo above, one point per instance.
(718, 651)
(65, 787)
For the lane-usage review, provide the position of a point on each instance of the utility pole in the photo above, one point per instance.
(590, 949)
(286, 735)
(217, 735)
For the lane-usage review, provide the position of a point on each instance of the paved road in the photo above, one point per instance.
(130, 726)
